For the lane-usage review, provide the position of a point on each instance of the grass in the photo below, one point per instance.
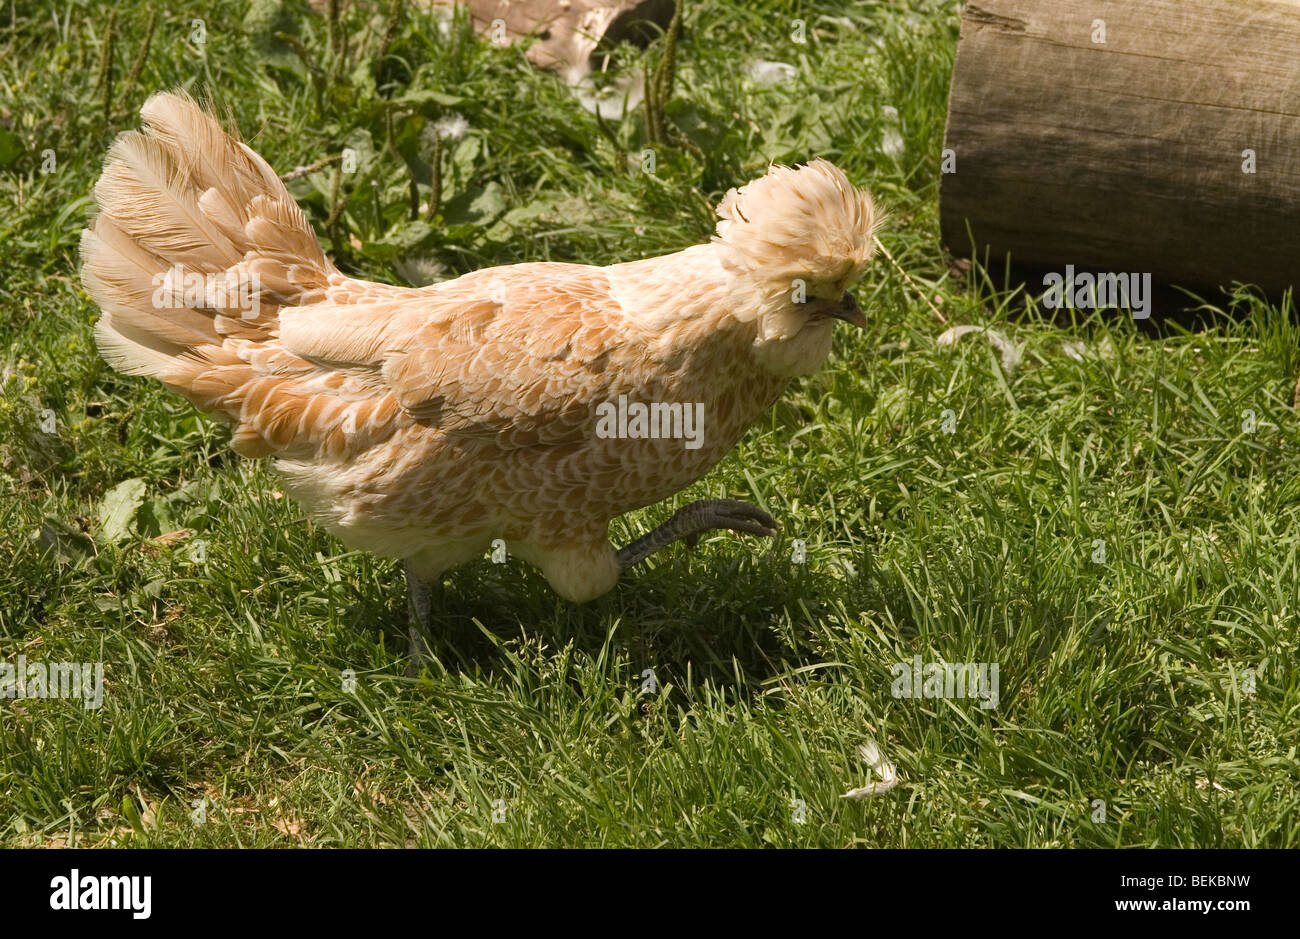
(227, 647)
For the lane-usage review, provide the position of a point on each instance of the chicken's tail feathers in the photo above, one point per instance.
(196, 241)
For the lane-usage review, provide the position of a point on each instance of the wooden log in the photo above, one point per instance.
(1121, 135)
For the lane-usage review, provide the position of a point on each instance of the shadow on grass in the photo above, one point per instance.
(692, 619)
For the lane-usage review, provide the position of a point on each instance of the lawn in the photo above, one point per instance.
(1114, 522)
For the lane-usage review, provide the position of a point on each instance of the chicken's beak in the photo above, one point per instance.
(850, 312)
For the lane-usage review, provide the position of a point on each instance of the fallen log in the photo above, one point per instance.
(1153, 136)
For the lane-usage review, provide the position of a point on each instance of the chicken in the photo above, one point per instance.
(530, 403)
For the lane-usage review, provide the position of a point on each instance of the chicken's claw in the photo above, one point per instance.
(690, 521)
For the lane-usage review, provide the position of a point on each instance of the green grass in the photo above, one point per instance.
(224, 676)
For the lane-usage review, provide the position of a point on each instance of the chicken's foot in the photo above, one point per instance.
(690, 521)
(420, 603)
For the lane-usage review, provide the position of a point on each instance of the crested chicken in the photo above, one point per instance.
(530, 403)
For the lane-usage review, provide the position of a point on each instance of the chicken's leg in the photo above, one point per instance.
(690, 521)
(420, 602)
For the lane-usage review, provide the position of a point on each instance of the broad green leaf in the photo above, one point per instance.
(11, 147)
(117, 512)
